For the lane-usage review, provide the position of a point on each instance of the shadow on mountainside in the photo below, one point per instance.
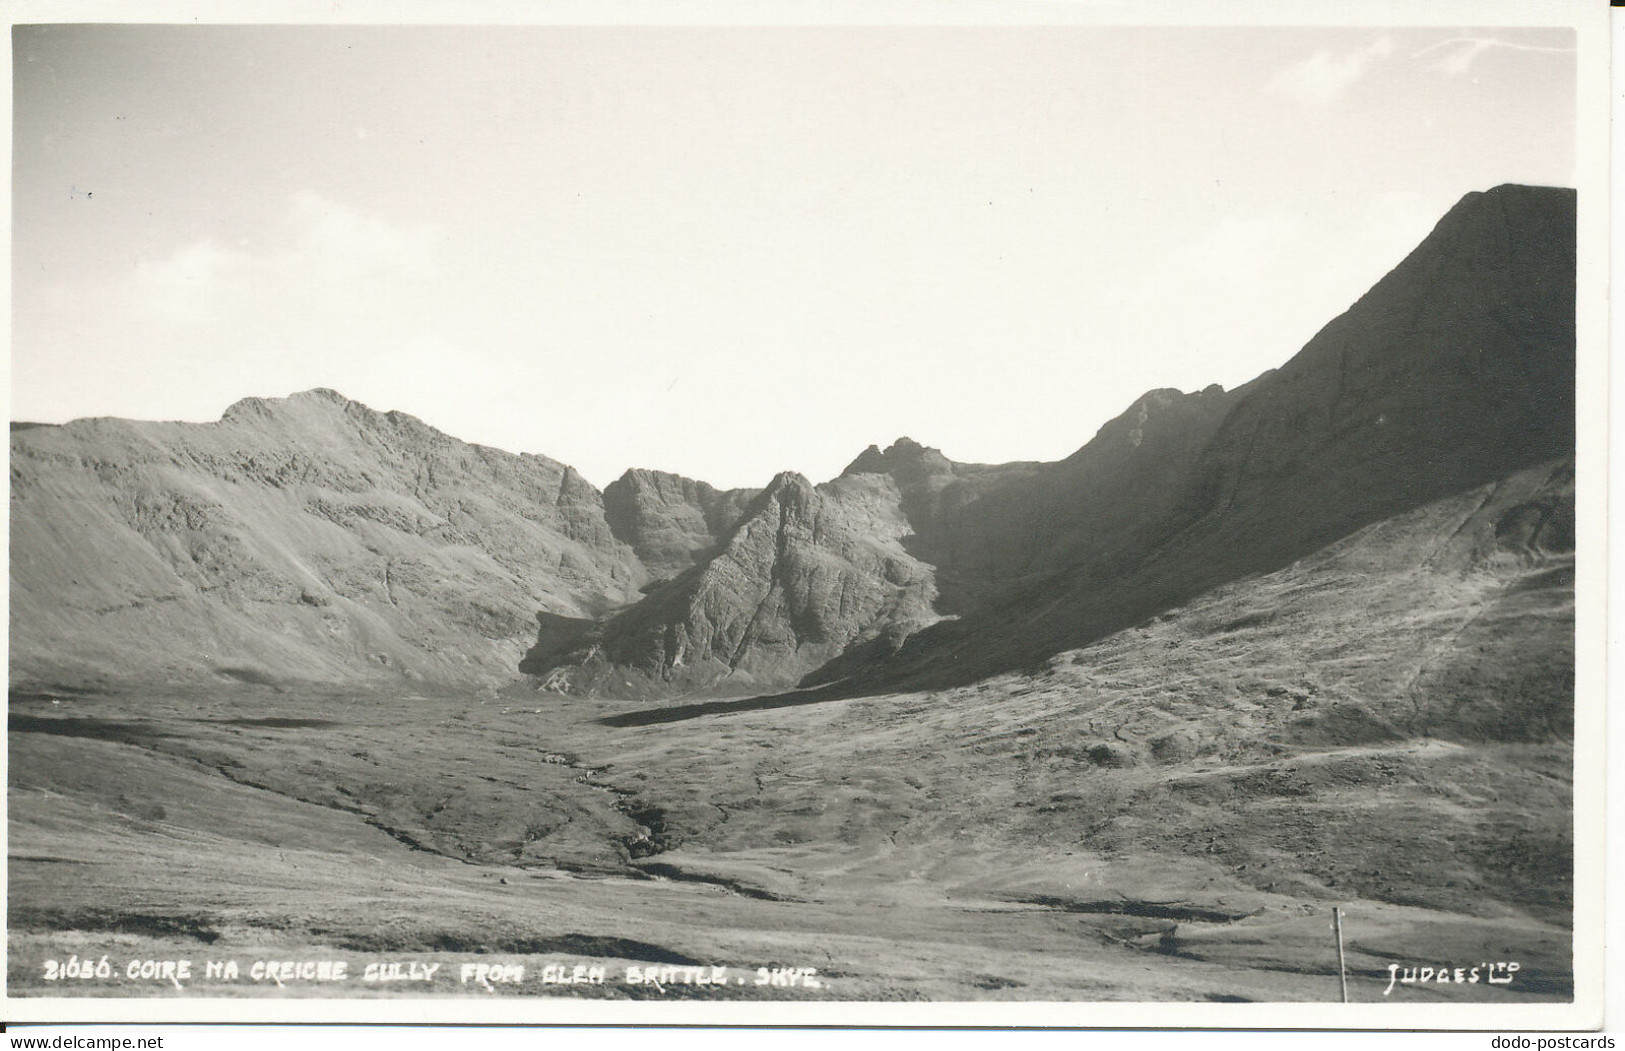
(683, 712)
(1499, 556)
(1453, 372)
(1071, 610)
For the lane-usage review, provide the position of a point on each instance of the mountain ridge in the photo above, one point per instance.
(373, 544)
(1453, 370)
(356, 534)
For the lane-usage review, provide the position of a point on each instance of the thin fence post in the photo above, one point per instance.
(1342, 970)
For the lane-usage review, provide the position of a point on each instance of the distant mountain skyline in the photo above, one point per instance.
(593, 242)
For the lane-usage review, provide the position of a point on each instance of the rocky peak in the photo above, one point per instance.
(905, 459)
(320, 394)
(573, 487)
(788, 481)
(803, 573)
(1162, 409)
(670, 520)
(790, 490)
(640, 479)
(318, 400)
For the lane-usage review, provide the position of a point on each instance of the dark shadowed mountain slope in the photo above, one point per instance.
(965, 525)
(834, 599)
(307, 538)
(1455, 370)
(989, 529)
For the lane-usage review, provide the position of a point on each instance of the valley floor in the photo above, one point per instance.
(901, 847)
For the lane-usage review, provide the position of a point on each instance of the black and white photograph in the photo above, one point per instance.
(803, 515)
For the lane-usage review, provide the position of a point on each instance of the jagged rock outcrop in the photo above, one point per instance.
(807, 572)
(973, 534)
(669, 521)
(914, 466)
(305, 538)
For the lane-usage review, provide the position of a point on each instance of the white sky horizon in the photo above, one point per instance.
(728, 252)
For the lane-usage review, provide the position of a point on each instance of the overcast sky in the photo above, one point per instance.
(729, 252)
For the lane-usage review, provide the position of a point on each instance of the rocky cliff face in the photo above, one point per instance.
(308, 538)
(669, 521)
(806, 573)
